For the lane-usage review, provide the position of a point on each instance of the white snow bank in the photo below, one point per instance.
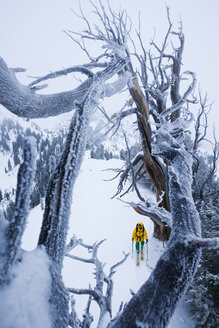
(24, 303)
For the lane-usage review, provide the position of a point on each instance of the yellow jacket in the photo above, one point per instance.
(139, 234)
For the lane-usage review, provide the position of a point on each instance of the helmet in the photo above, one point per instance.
(139, 225)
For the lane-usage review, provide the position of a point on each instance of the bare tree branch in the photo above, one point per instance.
(86, 291)
(201, 123)
(53, 75)
(124, 173)
(207, 243)
(182, 101)
(112, 269)
(157, 214)
(103, 299)
(25, 102)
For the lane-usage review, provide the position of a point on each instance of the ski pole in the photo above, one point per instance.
(132, 249)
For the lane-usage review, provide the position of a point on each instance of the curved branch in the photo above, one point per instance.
(73, 257)
(112, 269)
(23, 101)
(182, 101)
(157, 214)
(86, 291)
(54, 75)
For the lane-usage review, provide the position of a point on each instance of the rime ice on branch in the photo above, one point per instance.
(17, 224)
(24, 100)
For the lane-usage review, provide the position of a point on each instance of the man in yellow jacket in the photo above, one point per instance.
(139, 235)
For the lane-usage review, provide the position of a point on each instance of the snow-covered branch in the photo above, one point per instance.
(112, 269)
(17, 224)
(207, 243)
(183, 99)
(103, 299)
(24, 101)
(64, 72)
(124, 173)
(201, 123)
(157, 214)
(87, 291)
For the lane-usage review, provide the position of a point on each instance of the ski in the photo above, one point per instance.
(142, 254)
(137, 259)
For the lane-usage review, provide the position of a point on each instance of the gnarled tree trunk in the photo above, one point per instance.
(153, 305)
(156, 171)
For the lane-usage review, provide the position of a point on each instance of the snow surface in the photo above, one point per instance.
(32, 277)
(95, 216)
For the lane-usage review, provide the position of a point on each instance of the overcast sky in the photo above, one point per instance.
(31, 35)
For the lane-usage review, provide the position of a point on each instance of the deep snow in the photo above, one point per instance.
(95, 216)
(17, 304)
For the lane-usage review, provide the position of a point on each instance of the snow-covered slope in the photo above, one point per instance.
(95, 216)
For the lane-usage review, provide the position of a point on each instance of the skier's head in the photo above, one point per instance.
(139, 225)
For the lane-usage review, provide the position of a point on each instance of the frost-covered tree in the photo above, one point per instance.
(203, 292)
(166, 156)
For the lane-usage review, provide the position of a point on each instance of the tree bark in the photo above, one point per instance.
(156, 172)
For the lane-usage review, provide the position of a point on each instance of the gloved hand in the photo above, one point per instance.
(132, 240)
(146, 241)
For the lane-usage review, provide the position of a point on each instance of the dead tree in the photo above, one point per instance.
(165, 155)
(103, 299)
(156, 83)
(151, 103)
(155, 302)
